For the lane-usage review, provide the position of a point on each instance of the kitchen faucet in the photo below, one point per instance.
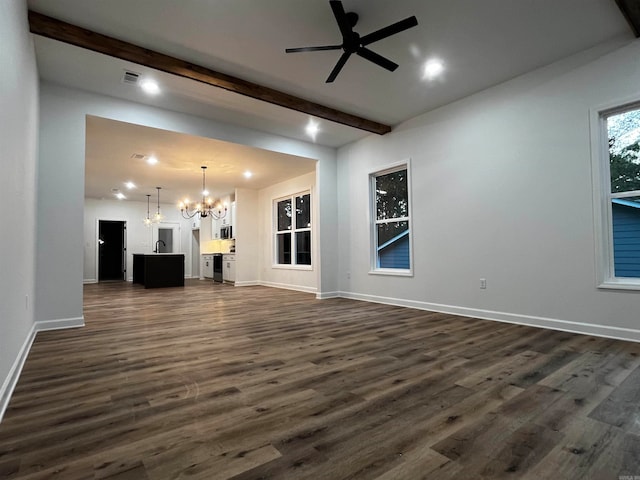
(158, 246)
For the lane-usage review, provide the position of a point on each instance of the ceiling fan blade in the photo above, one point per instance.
(313, 49)
(377, 59)
(336, 70)
(390, 30)
(341, 17)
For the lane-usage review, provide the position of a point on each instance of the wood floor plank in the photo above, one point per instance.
(622, 407)
(215, 382)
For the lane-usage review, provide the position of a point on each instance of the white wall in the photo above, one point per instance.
(140, 238)
(304, 280)
(18, 145)
(502, 189)
(247, 233)
(61, 185)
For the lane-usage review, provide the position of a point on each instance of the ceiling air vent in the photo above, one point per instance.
(138, 156)
(130, 77)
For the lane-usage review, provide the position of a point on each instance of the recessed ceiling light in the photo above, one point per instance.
(312, 129)
(130, 185)
(120, 196)
(152, 160)
(433, 68)
(150, 86)
(247, 174)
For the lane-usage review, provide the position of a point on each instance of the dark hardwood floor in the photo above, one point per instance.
(215, 382)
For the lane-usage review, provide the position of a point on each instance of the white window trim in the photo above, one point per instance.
(275, 231)
(601, 180)
(389, 168)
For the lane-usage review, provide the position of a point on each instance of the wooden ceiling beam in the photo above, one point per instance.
(631, 11)
(49, 27)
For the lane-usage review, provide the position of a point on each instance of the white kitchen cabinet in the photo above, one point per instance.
(229, 268)
(215, 229)
(229, 218)
(225, 221)
(207, 266)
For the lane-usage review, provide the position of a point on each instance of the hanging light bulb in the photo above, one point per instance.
(148, 221)
(158, 217)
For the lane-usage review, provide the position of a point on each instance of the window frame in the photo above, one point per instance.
(602, 195)
(373, 221)
(292, 232)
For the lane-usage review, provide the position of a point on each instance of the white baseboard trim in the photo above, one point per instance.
(618, 333)
(89, 280)
(59, 324)
(11, 381)
(325, 295)
(9, 384)
(286, 286)
(247, 283)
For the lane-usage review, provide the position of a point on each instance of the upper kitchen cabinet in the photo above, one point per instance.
(215, 228)
(226, 221)
(229, 218)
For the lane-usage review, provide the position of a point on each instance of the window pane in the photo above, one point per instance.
(623, 130)
(393, 245)
(284, 215)
(303, 211)
(625, 213)
(624, 149)
(284, 248)
(303, 248)
(392, 198)
(388, 231)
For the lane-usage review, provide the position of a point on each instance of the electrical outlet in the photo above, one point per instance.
(348, 275)
(483, 283)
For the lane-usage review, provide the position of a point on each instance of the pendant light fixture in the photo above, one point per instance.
(148, 221)
(205, 208)
(158, 217)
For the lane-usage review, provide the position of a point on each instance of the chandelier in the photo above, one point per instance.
(157, 217)
(206, 207)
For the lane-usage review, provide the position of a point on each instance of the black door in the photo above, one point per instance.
(111, 250)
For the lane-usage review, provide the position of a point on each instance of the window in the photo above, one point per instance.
(391, 252)
(621, 189)
(293, 230)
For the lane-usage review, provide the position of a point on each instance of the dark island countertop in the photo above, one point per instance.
(155, 270)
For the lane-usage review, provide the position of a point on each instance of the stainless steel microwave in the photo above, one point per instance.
(226, 232)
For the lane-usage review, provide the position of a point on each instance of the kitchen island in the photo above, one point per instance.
(155, 270)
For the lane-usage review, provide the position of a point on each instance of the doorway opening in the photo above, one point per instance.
(112, 250)
(195, 253)
(166, 238)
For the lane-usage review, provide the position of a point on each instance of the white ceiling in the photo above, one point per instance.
(110, 163)
(482, 43)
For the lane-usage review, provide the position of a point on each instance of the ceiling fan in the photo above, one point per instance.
(352, 42)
